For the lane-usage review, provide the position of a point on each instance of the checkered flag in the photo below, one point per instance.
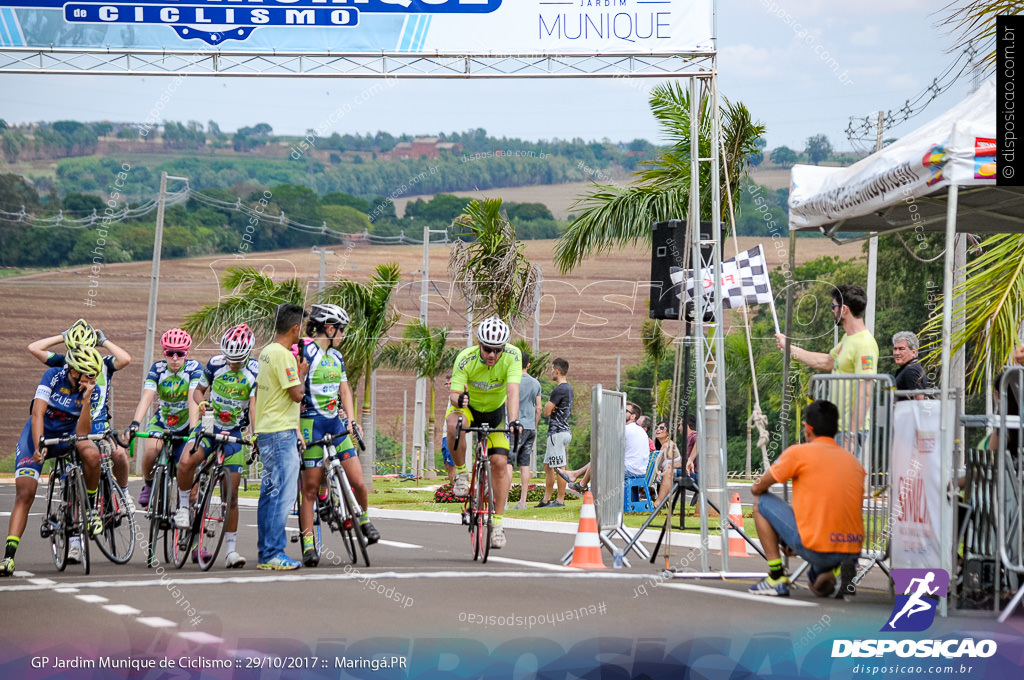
(744, 281)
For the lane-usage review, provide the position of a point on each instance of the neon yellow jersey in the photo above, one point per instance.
(486, 384)
(857, 353)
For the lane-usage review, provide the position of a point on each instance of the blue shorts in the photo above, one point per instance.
(25, 464)
(780, 516)
(445, 453)
(315, 428)
(234, 459)
(156, 426)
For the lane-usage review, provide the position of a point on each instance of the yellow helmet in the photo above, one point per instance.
(86, 360)
(81, 334)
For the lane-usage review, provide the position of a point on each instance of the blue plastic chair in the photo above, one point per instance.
(637, 492)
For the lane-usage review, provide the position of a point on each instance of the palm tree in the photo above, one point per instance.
(539, 361)
(249, 297)
(656, 347)
(616, 216)
(491, 270)
(993, 287)
(975, 21)
(425, 351)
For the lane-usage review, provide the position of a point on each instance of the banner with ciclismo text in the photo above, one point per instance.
(429, 27)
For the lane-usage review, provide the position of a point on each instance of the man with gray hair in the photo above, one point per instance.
(911, 375)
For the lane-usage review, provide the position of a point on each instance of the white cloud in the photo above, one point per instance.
(867, 37)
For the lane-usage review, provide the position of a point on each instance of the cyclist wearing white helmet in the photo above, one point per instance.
(61, 406)
(486, 377)
(230, 380)
(81, 334)
(170, 383)
(325, 384)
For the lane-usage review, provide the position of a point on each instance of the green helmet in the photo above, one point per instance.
(81, 334)
(86, 360)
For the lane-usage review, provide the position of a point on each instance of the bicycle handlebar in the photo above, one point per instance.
(485, 430)
(71, 439)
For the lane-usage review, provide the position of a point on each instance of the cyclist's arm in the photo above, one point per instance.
(252, 412)
(512, 390)
(40, 349)
(121, 356)
(347, 402)
(85, 417)
(147, 400)
(193, 407)
(38, 414)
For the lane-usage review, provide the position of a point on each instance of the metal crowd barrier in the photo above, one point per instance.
(865, 403)
(1010, 482)
(977, 516)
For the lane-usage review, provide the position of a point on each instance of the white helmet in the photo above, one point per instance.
(329, 314)
(237, 342)
(493, 332)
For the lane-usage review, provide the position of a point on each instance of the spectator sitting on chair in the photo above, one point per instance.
(911, 375)
(645, 423)
(669, 460)
(825, 525)
(638, 451)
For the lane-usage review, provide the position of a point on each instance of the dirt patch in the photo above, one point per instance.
(591, 317)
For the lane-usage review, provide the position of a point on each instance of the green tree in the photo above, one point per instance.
(424, 351)
(492, 271)
(539, 361)
(783, 156)
(615, 216)
(818, 149)
(657, 346)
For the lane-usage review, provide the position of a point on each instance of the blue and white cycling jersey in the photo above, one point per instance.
(100, 395)
(63, 402)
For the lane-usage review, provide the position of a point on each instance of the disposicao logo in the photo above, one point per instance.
(914, 611)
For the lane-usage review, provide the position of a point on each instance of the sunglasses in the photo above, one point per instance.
(491, 350)
(660, 427)
(175, 353)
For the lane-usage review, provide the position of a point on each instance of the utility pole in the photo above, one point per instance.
(154, 284)
(322, 278)
(869, 313)
(419, 419)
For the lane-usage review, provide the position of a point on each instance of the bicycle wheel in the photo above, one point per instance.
(343, 521)
(55, 521)
(117, 541)
(79, 508)
(476, 508)
(213, 517)
(353, 510)
(487, 510)
(156, 514)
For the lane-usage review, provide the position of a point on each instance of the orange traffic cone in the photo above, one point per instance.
(737, 546)
(586, 552)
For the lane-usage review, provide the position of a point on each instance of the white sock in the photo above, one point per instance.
(183, 498)
(230, 538)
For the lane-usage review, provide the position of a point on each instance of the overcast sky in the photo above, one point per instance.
(773, 56)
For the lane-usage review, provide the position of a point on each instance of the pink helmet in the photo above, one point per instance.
(176, 339)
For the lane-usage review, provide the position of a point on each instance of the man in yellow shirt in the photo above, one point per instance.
(856, 353)
(281, 386)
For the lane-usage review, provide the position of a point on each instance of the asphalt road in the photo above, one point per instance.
(423, 609)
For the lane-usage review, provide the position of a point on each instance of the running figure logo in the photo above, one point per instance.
(914, 610)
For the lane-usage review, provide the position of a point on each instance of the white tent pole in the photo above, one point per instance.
(947, 427)
(872, 287)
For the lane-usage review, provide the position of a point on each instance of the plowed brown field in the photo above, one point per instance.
(591, 316)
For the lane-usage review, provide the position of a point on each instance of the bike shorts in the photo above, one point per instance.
(315, 428)
(25, 464)
(156, 426)
(234, 459)
(446, 454)
(497, 442)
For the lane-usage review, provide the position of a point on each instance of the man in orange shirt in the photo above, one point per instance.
(825, 525)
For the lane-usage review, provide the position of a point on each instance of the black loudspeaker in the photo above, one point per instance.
(669, 241)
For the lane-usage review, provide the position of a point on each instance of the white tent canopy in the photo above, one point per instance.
(906, 184)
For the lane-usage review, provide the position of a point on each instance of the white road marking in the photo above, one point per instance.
(24, 574)
(42, 581)
(526, 563)
(122, 609)
(398, 544)
(94, 599)
(201, 637)
(724, 592)
(156, 622)
(66, 591)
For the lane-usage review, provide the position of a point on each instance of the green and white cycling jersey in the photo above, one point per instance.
(326, 373)
(229, 390)
(172, 390)
(486, 384)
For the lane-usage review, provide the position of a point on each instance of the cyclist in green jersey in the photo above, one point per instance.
(230, 380)
(485, 378)
(170, 383)
(326, 384)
